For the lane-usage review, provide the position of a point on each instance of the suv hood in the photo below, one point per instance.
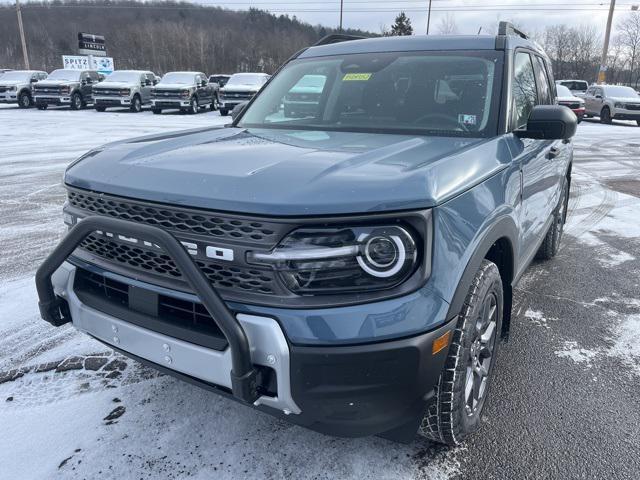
(56, 83)
(115, 85)
(625, 99)
(282, 172)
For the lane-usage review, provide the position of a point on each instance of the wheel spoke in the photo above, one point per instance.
(487, 335)
(468, 388)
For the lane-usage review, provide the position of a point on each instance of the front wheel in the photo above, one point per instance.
(638, 122)
(605, 115)
(193, 106)
(136, 104)
(215, 103)
(462, 388)
(42, 106)
(156, 111)
(100, 109)
(76, 101)
(24, 100)
(551, 243)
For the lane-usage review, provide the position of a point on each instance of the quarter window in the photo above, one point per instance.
(525, 95)
(543, 83)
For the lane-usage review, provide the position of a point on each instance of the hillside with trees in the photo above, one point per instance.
(160, 36)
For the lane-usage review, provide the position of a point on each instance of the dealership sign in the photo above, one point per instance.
(91, 44)
(83, 62)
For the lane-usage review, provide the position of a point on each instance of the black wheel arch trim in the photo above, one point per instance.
(504, 227)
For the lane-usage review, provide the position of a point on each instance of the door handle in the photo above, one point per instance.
(553, 152)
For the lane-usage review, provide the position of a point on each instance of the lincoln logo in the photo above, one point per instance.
(210, 251)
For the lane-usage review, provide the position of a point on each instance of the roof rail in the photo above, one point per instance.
(507, 28)
(336, 38)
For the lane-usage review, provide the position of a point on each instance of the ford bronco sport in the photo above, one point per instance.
(349, 268)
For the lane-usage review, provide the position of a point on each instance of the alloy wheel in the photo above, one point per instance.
(481, 354)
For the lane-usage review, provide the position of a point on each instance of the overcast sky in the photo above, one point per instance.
(469, 15)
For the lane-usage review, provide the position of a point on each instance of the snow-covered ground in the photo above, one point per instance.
(70, 408)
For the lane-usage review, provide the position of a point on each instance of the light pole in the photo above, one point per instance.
(341, 5)
(605, 47)
(428, 17)
(22, 39)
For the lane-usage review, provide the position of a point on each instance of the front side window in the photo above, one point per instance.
(525, 94)
(426, 93)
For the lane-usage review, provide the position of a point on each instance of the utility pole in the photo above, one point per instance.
(428, 17)
(605, 48)
(341, 5)
(22, 39)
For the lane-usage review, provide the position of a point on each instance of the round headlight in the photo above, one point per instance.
(384, 253)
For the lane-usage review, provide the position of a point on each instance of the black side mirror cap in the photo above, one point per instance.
(550, 122)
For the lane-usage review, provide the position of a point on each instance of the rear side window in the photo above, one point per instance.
(543, 83)
(525, 94)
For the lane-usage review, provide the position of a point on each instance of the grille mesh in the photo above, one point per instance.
(177, 220)
(225, 277)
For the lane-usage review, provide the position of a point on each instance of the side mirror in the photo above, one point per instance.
(203, 83)
(237, 110)
(147, 82)
(550, 122)
(33, 80)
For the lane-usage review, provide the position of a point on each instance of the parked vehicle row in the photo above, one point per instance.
(185, 91)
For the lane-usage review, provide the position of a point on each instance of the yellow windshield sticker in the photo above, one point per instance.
(356, 77)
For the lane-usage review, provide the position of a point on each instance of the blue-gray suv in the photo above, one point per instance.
(349, 267)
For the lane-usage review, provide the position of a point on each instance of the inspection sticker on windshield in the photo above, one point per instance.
(466, 119)
(356, 77)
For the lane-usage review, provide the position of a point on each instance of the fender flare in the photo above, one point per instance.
(504, 227)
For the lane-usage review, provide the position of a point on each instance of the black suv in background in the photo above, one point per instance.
(185, 91)
(240, 88)
(66, 87)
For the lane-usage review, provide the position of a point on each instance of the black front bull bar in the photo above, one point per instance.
(244, 383)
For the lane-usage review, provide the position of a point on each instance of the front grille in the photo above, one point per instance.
(633, 106)
(221, 276)
(177, 220)
(237, 96)
(161, 93)
(571, 105)
(55, 90)
(107, 92)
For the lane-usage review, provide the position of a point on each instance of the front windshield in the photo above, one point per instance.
(576, 85)
(65, 75)
(563, 91)
(615, 91)
(246, 79)
(125, 77)
(16, 76)
(428, 93)
(179, 78)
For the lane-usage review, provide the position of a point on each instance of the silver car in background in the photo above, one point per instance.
(612, 102)
(16, 86)
(124, 88)
(241, 87)
(577, 87)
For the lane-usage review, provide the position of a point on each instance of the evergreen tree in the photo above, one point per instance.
(402, 26)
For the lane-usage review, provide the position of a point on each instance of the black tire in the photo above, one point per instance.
(136, 104)
(156, 111)
(463, 386)
(224, 112)
(42, 106)
(605, 116)
(100, 109)
(551, 243)
(638, 122)
(193, 106)
(215, 103)
(24, 100)
(76, 101)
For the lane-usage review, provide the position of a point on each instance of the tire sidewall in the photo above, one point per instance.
(193, 106)
(491, 283)
(605, 115)
(136, 106)
(76, 101)
(21, 100)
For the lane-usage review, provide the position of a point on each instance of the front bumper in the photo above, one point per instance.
(339, 390)
(9, 97)
(157, 103)
(625, 114)
(111, 101)
(52, 100)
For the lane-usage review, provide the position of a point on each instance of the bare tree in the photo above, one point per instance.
(447, 25)
(629, 35)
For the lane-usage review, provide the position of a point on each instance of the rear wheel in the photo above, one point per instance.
(463, 385)
(605, 115)
(136, 104)
(76, 101)
(551, 243)
(24, 100)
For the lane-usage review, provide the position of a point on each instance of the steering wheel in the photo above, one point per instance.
(442, 117)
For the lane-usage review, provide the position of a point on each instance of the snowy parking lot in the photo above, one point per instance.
(565, 402)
